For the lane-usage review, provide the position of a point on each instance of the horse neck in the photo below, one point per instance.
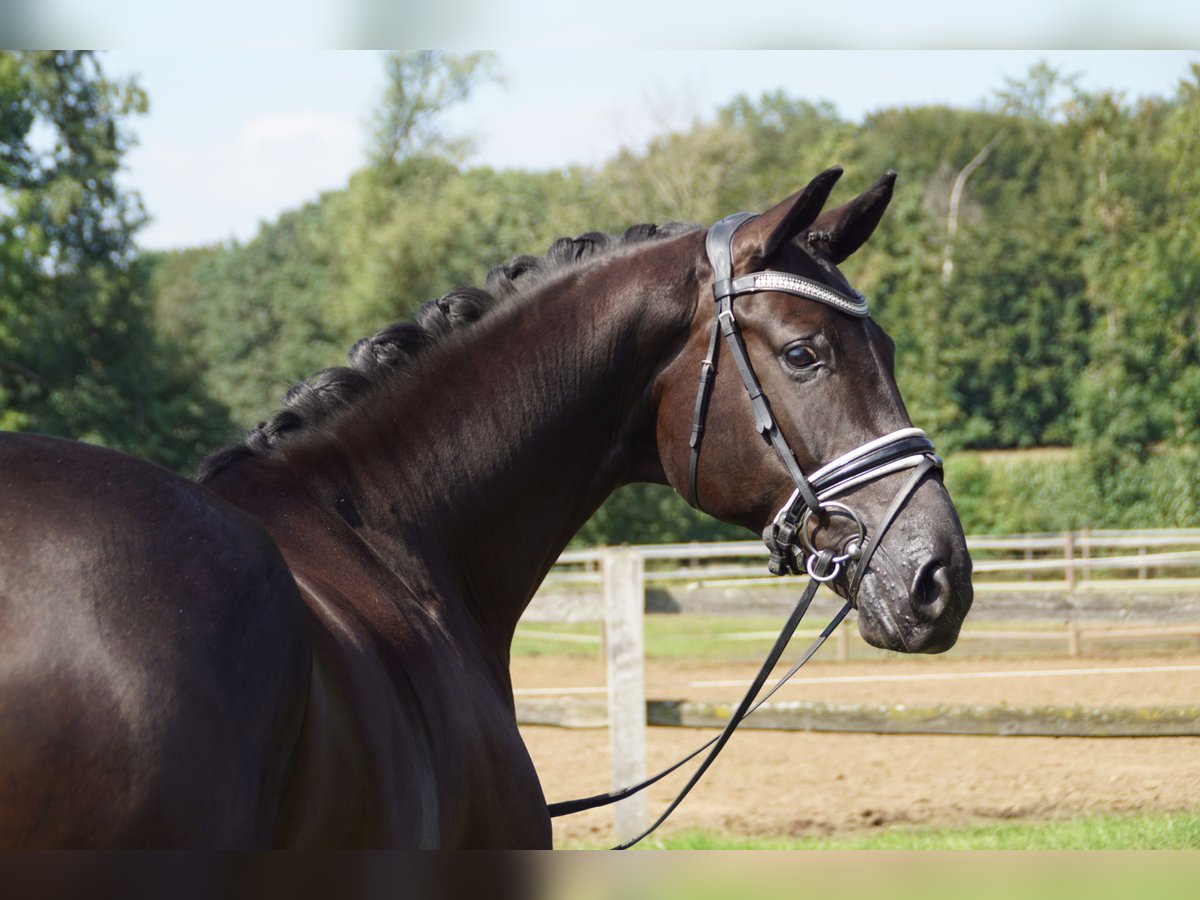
(492, 454)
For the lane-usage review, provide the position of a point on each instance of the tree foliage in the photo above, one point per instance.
(78, 355)
(421, 85)
(1049, 299)
(1140, 392)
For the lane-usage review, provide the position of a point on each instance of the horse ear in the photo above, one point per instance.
(839, 232)
(762, 235)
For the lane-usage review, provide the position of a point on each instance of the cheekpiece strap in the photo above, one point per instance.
(719, 246)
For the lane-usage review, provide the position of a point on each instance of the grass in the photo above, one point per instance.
(666, 637)
(703, 638)
(903, 876)
(1169, 831)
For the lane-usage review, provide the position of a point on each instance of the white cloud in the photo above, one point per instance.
(217, 189)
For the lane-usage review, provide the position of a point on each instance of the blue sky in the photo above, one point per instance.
(235, 137)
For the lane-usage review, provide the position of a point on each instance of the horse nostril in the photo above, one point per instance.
(931, 590)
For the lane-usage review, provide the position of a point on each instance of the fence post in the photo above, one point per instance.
(843, 643)
(624, 606)
(1073, 638)
(1085, 544)
(1069, 558)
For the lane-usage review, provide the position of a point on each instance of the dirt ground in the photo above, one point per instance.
(795, 783)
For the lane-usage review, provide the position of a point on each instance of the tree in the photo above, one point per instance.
(788, 140)
(77, 353)
(1069, 314)
(1139, 400)
(409, 226)
(265, 317)
(421, 86)
(1043, 94)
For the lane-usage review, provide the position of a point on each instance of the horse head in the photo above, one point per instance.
(798, 429)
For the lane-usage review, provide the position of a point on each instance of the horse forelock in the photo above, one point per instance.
(312, 403)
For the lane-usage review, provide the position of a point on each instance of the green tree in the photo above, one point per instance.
(1139, 400)
(421, 86)
(788, 140)
(680, 177)
(1044, 94)
(990, 346)
(1068, 314)
(408, 227)
(265, 320)
(77, 353)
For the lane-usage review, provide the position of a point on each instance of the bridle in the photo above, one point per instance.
(789, 537)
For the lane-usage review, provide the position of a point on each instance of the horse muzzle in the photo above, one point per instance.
(917, 591)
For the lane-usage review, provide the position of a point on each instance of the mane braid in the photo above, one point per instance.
(329, 392)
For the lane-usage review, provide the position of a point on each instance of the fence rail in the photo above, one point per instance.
(1077, 555)
(1071, 636)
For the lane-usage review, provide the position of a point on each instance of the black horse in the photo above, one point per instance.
(310, 646)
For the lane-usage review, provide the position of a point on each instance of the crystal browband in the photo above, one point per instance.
(854, 304)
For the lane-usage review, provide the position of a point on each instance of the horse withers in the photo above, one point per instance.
(310, 646)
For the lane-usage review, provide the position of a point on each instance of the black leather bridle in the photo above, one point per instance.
(788, 537)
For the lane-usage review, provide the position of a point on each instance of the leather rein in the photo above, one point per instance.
(788, 537)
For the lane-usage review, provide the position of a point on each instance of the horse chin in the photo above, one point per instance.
(923, 614)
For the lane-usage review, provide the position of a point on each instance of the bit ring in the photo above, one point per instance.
(853, 549)
(828, 576)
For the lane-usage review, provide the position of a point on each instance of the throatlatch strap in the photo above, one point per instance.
(718, 244)
(708, 374)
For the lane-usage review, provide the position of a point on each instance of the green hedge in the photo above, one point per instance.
(1007, 492)
(1014, 492)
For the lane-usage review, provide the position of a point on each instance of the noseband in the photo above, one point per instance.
(789, 536)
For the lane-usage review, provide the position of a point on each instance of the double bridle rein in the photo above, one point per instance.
(789, 537)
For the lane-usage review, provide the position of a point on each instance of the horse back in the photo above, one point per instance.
(154, 656)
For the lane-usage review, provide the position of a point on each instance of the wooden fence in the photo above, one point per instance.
(1074, 557)
(1066, 561)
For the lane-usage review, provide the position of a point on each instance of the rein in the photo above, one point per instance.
(789, 537)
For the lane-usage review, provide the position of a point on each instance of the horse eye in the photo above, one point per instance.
(800, 356)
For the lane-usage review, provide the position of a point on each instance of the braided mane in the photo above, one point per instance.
(331, 391)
